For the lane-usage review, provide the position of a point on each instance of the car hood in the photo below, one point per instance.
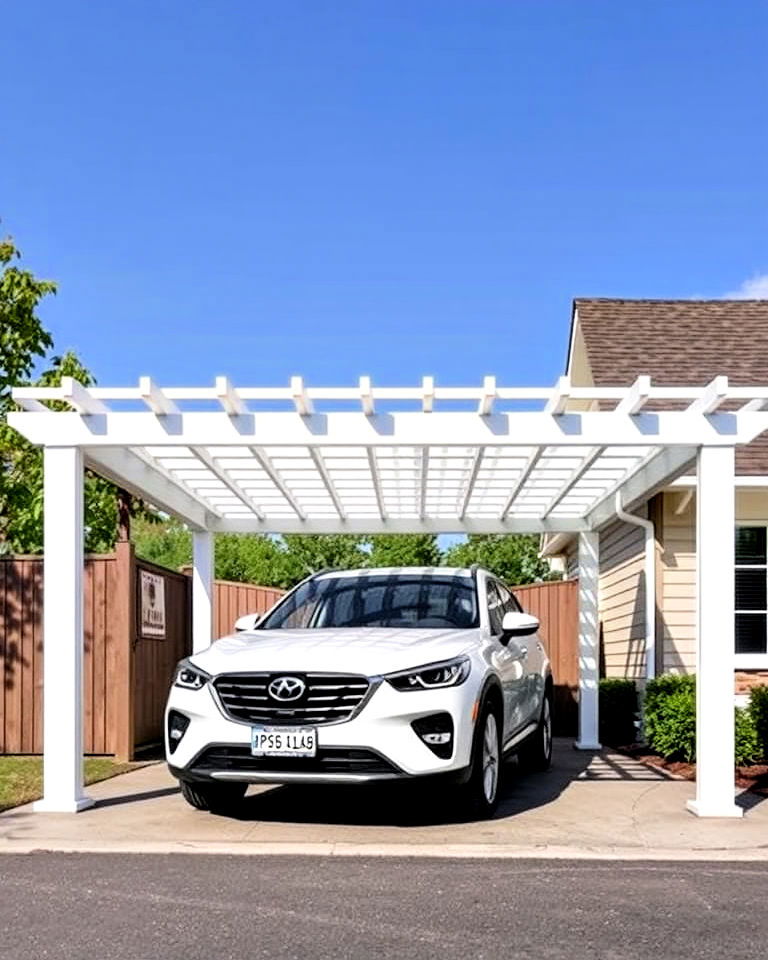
(367, 650)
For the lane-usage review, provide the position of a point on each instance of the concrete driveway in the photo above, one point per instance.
(587, 805)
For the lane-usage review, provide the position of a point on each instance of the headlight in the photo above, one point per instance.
(192, 678)
(447, 673)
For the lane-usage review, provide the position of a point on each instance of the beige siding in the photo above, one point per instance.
(678, 571)
(677, 602)
(622, 600)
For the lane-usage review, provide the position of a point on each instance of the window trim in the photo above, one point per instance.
(749, 661)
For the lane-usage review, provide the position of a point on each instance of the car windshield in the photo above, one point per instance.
(418, 601)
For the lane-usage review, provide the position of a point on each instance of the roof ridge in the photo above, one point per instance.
(670, 300)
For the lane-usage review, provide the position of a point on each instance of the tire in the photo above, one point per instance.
(480, 794)
(216, 797)
(536, 753)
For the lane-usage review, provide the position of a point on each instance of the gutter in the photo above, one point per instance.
(650, 585)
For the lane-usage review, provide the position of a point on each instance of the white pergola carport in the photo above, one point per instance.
(368, 459)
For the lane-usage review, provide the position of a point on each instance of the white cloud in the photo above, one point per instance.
(756, 288)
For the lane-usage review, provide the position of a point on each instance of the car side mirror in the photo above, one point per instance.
(518, 625)
(247, 622)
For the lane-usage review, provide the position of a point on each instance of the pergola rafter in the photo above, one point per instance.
(369, 459)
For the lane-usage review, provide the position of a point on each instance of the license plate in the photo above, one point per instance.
(283, 741)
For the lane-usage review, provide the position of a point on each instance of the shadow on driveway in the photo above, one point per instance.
(413, 803)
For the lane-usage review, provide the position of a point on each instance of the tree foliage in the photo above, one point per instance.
(21, 494)
(512, 557)
(404, 550)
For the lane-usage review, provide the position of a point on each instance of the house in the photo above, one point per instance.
(675, 342)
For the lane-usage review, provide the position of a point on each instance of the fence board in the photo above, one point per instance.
(556, 604)
(232, 600)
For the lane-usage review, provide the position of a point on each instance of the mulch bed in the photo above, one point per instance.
(754, 778)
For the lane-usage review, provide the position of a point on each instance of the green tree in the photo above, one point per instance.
(404, 550)
(22, 335)
(167, 542)
(512, 557)
(21, 494)
(253, 558)
(308, 553)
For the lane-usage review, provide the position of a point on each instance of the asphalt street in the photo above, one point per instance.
(137, 907)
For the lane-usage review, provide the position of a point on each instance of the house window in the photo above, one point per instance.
(751, 591)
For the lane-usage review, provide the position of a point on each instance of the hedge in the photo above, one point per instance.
(669, 718)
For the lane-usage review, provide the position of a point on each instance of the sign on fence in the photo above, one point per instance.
(152, 605)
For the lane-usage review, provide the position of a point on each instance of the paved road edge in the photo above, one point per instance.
(412, 850)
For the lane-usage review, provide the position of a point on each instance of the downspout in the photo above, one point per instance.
(650, 585)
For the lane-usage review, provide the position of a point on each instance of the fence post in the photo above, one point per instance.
(124, 662)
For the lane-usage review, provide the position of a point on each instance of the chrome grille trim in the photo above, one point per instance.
(329, 698)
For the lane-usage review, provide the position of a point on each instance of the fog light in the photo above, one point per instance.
(436, 731)
(177, 727)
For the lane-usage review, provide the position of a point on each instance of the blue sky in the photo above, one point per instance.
(382, 187)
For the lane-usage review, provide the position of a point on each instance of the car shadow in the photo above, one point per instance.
(411, 803)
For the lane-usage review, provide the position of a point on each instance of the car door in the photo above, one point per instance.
(533, 659)
(509, 661)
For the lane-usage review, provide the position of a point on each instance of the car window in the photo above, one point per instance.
(425, 601)
(495, 607)
(508, 599)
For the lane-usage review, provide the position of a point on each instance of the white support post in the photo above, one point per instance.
(589, 638)
(202, 590)
(63, 633)
(715, 655)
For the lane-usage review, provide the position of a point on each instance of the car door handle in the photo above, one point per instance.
(520, 653)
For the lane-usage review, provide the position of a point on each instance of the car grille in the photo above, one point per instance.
(328, 698)
(328, 760)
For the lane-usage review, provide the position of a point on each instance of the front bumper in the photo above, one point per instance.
(378, 743)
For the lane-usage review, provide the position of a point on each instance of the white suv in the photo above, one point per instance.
(362, 675)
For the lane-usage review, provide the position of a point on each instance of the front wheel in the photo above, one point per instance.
(481, 792)
(536, 754)
(216, 797)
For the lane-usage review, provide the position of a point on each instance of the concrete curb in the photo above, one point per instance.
(479, 851)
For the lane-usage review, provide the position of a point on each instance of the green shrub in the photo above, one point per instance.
(618, 707)
(747, 744)
(669, 718)
(758, 708)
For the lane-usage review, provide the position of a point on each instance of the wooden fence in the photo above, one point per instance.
(125, 672)
(556, 604)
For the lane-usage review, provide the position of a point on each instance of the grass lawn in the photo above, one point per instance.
(21, 778)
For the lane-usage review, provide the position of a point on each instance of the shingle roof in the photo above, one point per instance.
(684, 342)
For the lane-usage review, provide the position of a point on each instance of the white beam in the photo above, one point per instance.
(376, 482)
(230, 484)
(267, 467)
(202, 590)
(715, 653)
(414, 524)
(714, 395)
(589, 641)
(79, 397)
(655, 473)
(63, 633)
(423, 482)
(558, 401)
(488, 398)
(319, 463)
(427, 394)
(300, 397)
(155, 398)
(636, 398)
(229, 398)
(366, 397)
(470, 484)
(573, 479)
(455, 428)
(522, 479)
(126, 469)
